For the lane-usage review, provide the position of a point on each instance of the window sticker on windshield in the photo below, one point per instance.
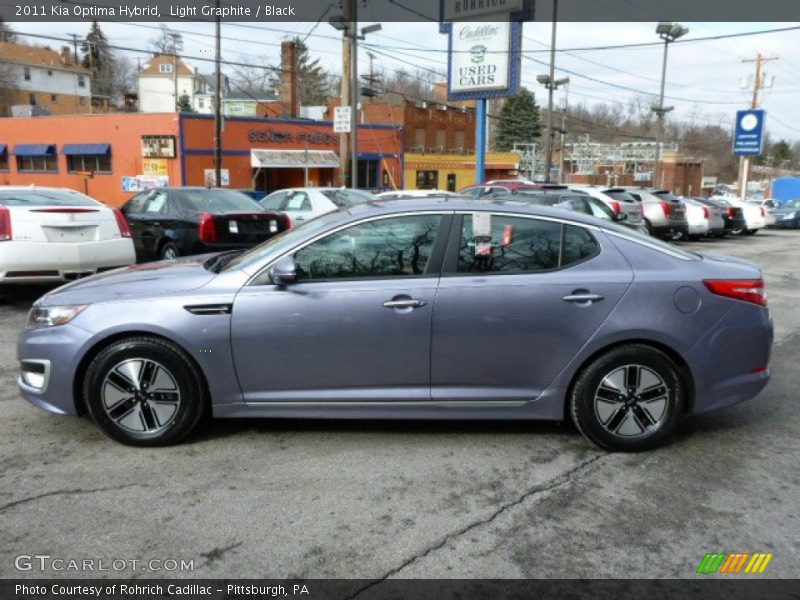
(481, 225)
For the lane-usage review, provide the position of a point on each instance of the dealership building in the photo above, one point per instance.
(112, 156)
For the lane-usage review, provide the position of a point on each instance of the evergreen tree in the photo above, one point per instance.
(518, 121)
(184, 104)
(98, 58)
(6, 33)
(314, 84)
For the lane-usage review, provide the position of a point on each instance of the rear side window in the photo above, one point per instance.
(503, 244)
(297, 201)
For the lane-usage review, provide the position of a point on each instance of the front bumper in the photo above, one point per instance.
(60, 349)
(42, 262)
(786, 223)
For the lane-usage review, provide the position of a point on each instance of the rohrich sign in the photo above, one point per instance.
(457, 10)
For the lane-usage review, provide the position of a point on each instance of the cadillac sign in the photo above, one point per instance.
(481, 61)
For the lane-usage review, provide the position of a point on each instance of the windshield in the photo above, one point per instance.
(44, 198)
(277, 244)
(346, 197)
(218, 201)
(791, 204)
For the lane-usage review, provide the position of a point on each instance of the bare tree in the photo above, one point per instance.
(167, 42)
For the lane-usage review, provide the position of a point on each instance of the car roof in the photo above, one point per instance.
(462, 204)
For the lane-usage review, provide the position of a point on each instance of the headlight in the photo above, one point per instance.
(49, 316)
(791, 215)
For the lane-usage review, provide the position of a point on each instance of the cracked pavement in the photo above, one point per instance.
(379, 500)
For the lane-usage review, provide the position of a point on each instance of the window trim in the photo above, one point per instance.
(436, 263)
(450, 264)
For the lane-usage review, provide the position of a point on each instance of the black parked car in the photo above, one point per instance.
(732, 215)
(170, 222)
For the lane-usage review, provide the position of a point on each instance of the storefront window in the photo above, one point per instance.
(96, 163)
(427, 180)
(26, 164)
(3, 158)
(368, 174)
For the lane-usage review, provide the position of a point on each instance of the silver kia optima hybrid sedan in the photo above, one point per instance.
(435, 308)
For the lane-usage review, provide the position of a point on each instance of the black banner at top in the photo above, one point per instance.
(282, 11)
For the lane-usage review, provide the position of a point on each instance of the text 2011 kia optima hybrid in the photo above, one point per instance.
(435, 308)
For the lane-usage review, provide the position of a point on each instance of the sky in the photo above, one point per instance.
(706, 81)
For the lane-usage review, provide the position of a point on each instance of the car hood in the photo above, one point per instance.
(149, 279)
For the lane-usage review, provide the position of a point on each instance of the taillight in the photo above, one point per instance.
(667, 208)
(763, 213)
(705, 212)
(616, 207)
(207, 230)
(5, 224)
(122, 223)
(731, 212)
(288, 221)
(749, 290)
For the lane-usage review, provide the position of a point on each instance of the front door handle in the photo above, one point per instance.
(582, 297)
(406, 303)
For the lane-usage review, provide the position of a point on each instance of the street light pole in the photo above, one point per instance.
(669, 32)
(551, 134)
(218, 99)
(353, 19)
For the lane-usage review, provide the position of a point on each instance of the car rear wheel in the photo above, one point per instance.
(629, 399)
(144, 392)
(750, 231)
(169, 251)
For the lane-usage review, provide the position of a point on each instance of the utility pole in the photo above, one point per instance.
(551, 134)
(352, 17)
(561, 177)
(75, 38)
(348, 7)
(218, 98)
(745, 162)
(176, 40)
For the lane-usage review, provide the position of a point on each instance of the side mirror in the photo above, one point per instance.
(284, 272)
(619, 217)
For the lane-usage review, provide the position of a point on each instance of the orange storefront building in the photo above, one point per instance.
(112, 156)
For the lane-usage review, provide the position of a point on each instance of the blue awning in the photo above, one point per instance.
(34, 150)
(85, 149)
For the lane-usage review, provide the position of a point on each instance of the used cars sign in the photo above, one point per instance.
(479, 57)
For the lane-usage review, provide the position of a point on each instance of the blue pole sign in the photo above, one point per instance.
(748, 136)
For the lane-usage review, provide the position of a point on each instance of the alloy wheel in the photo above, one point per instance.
(169, 253)
(140, 395)
(631, 401)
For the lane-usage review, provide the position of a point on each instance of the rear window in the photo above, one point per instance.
(620, 196)
(667, 196)
(219, 201)
(348, 197)
(44, 198)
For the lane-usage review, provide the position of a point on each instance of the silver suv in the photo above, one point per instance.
(664, 214)
(618, 200)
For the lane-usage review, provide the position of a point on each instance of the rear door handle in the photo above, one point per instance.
(409, 303)
(582, 297)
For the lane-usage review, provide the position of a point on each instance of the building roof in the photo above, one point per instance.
(151, 69)
(37, 56)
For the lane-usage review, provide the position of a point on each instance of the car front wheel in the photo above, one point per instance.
(629, 399)
(169, 251)
(144, 391)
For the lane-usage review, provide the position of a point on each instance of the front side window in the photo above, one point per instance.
(136, 204)
(297, 202)
(505, 244)
(395, 247)
(156, 204)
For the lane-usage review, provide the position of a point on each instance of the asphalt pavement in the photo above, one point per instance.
(317, 499)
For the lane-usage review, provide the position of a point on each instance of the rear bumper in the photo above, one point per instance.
(666, 228)
(730, 363)
(34, 262)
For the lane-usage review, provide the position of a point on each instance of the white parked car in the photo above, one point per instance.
(414, 194)
(768, 204)
(755, 216)
(617, 199)
(302, 204)
(56, 234)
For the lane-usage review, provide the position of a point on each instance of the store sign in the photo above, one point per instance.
(158, 146)
(138, 183)
(274, 136)
(342, 121)
(154, 166)
(748, 137)
(460, 10)
(484, 61)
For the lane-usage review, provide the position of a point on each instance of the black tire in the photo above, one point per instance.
(648, 227)
(750, 231)
(588, 403)
(169, 251)
(162, 424)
